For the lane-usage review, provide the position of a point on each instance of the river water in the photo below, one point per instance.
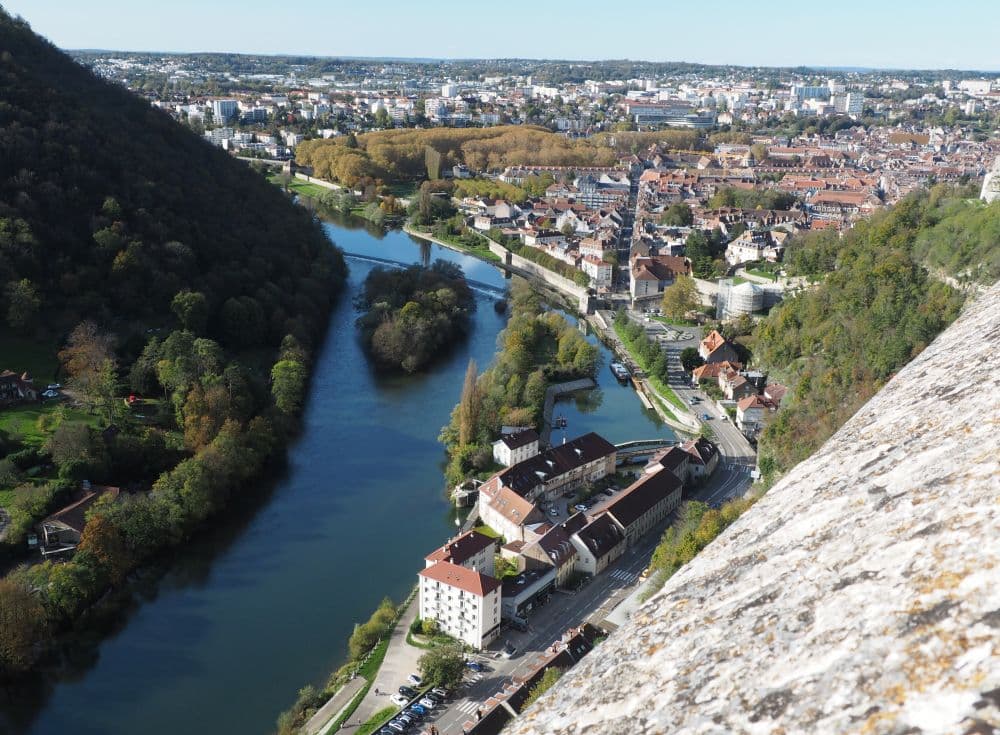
(263, 603)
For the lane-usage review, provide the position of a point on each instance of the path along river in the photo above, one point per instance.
(263, 603)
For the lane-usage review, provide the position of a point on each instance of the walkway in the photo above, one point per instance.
(334, 706)
(400, 661)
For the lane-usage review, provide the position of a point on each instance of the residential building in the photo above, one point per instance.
(715, 348)
(516, 447)
(224, 111)
(750, 413)
(507, 500)
(464, 603)
(650, 275)
(59, 533)
(555, 549)
(472, 550)
(704, 457)
(598, 544)
(645, 503)
(599, 271)
(14, 387)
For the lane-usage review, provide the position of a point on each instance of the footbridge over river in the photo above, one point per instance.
(483, 288)
(641, 449)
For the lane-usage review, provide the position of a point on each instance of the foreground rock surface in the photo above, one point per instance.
(860, 595)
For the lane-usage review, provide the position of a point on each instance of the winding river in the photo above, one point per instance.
(263, 603)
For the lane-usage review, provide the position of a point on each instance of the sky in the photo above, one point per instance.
(958, 34)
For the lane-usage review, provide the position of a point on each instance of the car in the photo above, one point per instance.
(609, 492)
(415, 679)
(580, 507)
(417, 709)
(440, 691)
(397, 726)
(428, 703)
(474, 666)
(693, 400)
(408, 691)
(509, 651)
(437, 698)
(53, 386)
(399, 700)
(706, 417)
(49, 394)
(554, 513)
(405, 718)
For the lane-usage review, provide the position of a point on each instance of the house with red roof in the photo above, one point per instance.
(463, 602)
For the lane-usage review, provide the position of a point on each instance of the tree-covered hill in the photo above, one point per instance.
(875, 309)
(185, 296)
(108, 208)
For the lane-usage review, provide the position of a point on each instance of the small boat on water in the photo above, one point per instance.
(620, 371)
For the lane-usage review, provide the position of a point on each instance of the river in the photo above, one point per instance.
(263, 603)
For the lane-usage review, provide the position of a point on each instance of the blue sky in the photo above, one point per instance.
(915, 34)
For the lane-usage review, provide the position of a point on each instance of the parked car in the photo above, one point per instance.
(509, 651)
(706, 417)
(693, 400)
(399, 700)
(440, 691)
(418, 709)
(474, 666)
(609, 492)
(415, 679)
(554, 513)
(434, 696)
(49, 394)
(580, 507)
(53, 386)
(428, 703)
(408, 691)
(397, 726)
(406, 719)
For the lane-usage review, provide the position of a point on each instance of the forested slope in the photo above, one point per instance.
(876, 308)
(185, 296)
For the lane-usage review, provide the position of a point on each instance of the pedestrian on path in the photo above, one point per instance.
(376, 691)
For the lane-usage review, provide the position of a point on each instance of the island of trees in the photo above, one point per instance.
(414, 315)
(184, 296)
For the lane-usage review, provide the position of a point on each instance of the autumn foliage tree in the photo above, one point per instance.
(22, 624)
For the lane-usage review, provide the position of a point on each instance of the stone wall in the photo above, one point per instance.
(861, 594)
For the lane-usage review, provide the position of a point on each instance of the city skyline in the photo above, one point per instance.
(857, 36)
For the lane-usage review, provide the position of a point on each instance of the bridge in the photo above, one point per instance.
(478, 286)
(632, 451)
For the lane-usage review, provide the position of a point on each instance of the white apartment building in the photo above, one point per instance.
(465, 604)
(473, 550)
(597, 270)
(224, 110)
(510, 449)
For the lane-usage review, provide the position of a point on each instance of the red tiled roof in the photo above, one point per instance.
(461, 578)
(462, 548)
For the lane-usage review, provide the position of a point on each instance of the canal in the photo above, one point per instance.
(263, 603)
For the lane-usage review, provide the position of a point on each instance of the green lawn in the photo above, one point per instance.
(21, 422)
(301, 187)
(762, 274)
(21, 354)
(487, 531)
(376, 721)
(737, 280)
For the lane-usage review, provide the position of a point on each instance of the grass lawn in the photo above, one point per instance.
(487, 531)
(676, 322)
(737, 280)
(376, 721)
(762, 274)
(21, 354)
(301, 187)
(21, 421)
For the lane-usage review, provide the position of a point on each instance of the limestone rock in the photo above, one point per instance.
(860, 595)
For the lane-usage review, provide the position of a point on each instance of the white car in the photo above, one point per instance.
(49, 394)
(428, 703)
(415, 679)
(399, 700)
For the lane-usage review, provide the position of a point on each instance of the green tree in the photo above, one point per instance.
(690, 359)
(678, 214)
(288, 385)
(443, 666)
(23, 304)
(681, 297)
(548, 680)
(469, 406)
(22, 626)
(191, 308)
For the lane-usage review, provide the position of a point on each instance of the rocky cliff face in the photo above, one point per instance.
(861, 594)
